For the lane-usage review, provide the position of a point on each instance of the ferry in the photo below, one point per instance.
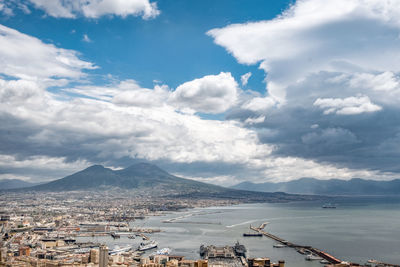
(118, 250)
(147, 245)
(252, 234)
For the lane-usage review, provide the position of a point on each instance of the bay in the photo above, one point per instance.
(357, 230)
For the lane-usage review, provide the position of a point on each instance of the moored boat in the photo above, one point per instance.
(163, 251)
(147, 245)
(118, 250)
(312, 257)
(240, 249)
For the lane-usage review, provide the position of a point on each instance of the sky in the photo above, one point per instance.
(218, 91)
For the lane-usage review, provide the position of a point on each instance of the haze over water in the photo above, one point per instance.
(358, 230)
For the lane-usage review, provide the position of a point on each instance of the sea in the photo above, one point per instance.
(358, 229)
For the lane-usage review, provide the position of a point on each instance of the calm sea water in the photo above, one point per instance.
(357, 230)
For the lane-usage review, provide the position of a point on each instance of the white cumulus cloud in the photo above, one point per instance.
(347, 106)
(27, 57)
(259, 104)
(143, 97)
(317, 35)
(209, 94)
(97, 8)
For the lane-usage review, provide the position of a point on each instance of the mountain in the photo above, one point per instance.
(14, 184)
(326, 187)
(139, 175)
(149, 179)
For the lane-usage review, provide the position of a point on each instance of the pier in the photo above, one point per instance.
(322, 254)
(382, 263)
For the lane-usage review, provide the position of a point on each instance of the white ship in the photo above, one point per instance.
(147, 245)
(118, 250)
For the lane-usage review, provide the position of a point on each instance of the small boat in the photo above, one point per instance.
(329, 206)
(279, 246)
(252, 234)
(163, 251)
(203, 250)
(324, 262)
(115, 235)
(312, 257)
(301, 251)
(147, 245)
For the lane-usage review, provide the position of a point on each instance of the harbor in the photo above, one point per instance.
(313, 251)
(304, 225)
(310, 252)
(301, 225)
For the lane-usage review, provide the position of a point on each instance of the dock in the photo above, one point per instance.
(322, 254)
(380, 263)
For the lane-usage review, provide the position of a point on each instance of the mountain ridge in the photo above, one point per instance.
(355, 186)
(15, 184)
(149, 180)
(136, 176)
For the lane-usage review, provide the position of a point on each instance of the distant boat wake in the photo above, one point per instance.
(200, 213)
(242, 223)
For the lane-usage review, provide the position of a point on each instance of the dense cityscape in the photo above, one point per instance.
(42, 229)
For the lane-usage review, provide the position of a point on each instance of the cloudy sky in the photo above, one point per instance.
(218, 91)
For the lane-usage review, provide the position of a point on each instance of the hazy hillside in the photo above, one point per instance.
(326, 187)
(14, 184)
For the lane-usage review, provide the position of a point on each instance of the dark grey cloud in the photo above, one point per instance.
(366, 141)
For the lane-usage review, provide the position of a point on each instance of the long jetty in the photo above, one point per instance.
(383, 263)
(316, 251)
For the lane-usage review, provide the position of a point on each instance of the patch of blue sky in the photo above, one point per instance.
(172, 48)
